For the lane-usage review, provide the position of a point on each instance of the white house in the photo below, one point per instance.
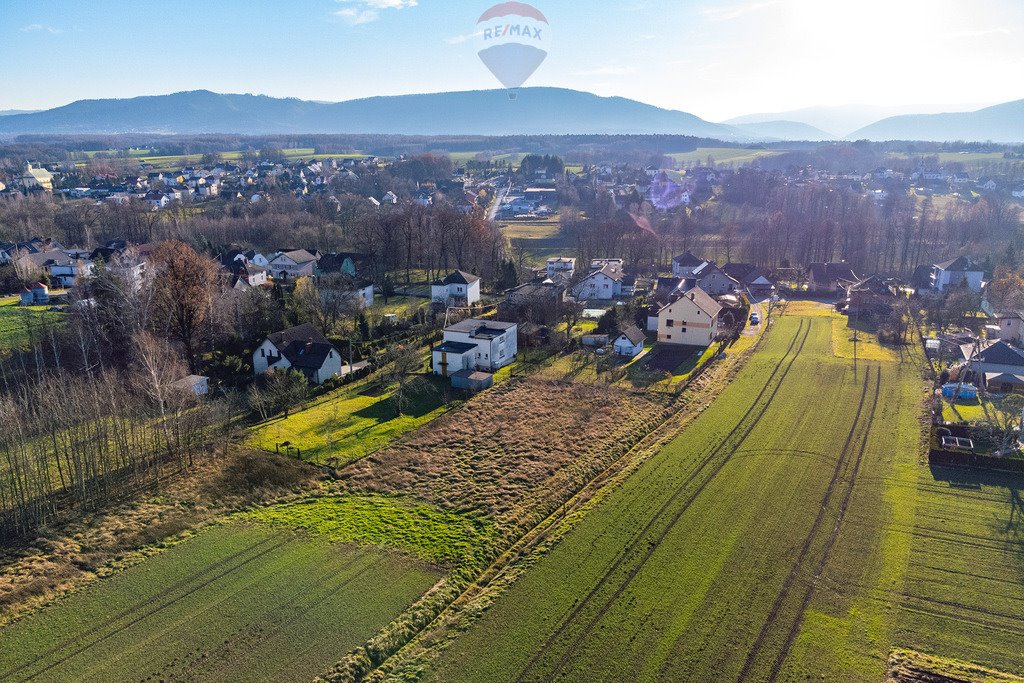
(958, 272)
(630, 342)
(364, 292)
(561, 266)
(691, 319)
(302, 348)
(684, 265)
(291, 265)
(459, 288)
(475, 344)
(603, 284)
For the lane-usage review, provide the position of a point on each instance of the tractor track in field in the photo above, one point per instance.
(831, 542)
(653, 545)
(805, 549)
(109, 621)
(149, 613)
(662, 434)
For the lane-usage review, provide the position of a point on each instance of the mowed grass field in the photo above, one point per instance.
(349, 424)
(238, 602)
(16, 320)
(737, 156)
(789, 533)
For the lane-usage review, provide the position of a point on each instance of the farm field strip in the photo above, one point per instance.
(638, 592)
(834, 534)
(652, 545)
(236, 602)
(964, 594)
(805, 549)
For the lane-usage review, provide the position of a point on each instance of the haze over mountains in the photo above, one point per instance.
(536, 111)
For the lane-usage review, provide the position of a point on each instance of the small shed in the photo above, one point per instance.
(26, 297)
(1004, 382)
(472, 380)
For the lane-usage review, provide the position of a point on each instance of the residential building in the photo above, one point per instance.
(684, 265)
(291, 265)
(992, 360)
(603, 284)
(459, 288)
(751, 278)
(691, 319)
(561, 266)
(960, 272)
(302, 348)
(475, 344)
(712, 279)
(630, 342)
(830, 277)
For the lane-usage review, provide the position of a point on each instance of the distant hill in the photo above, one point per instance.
(842, 119)
(783, 130)
(1001, 123)
(536, 111)
(9, 112)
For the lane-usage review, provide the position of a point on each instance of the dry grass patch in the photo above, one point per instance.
(515, 452)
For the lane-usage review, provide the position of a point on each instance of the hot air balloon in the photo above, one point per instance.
(513, 39)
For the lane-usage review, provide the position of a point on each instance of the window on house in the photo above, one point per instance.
(668, 336)
(670, 323)
(263, 353)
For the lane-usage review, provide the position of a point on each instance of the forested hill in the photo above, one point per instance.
(1002, 123)
(535, 111)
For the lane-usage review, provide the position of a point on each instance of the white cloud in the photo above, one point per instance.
(41, 27)
(606, 70)
(464, 38)
(730, 12)
(367, 11)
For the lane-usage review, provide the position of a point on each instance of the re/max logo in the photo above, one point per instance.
(509, 30)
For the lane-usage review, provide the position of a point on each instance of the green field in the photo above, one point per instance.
(349, 424)
(545, 228)
(736, 156)
(235, 603)
(789, 533)
(16, 320)
(170, 162)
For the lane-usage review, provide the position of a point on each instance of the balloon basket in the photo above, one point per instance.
(512, 95)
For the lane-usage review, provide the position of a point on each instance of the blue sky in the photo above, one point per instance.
(714, 58)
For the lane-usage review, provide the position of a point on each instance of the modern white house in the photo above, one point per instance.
(561, 266)
(691, 319)
(458, 289)
(475, 344)
(302, 348)
(364, 292)
(291, 265)
(957, 273)
(603, 284)
(630, 342)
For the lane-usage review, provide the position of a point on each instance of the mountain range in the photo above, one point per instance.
(534, 111)
(1001, 123)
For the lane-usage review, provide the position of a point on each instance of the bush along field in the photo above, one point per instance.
(790, 532)
(274, 594)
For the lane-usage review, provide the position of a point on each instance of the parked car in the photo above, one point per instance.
(755, 319)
